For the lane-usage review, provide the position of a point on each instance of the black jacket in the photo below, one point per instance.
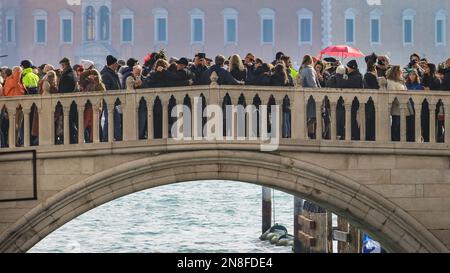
(198, 72)
(67, 82)
(355, 80)
(445, 85)
(259, 77)
(225, 77)
(238, 74)
(156, 79)
(110, 79)
(371, 81)
(179, 77)
(431, 82)
(336, 81)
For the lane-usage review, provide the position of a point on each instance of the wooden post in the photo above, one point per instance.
(298, 208)
(342, 225)
(266, 209)
(349, 238)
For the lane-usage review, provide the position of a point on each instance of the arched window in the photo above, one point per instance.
(90, 24)
(104, 23)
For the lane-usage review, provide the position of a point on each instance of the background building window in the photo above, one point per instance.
(408, 26)
(375, 27)
(161, 26)
(305, 26)
(267, 26)
(104, 24)
(127, 26)
(40, 26)
(10, 30)
(66, 26)
(230, 17)
(90, 23)
(197, 26)
(441, 21)
(350, 28)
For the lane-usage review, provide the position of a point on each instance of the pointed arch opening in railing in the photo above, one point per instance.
(270, 103)
(88, 121)
(59, 124)
(410, 121)
(118, 120)
(340, 119)
(311, 117)
(187, 117)
(73, 123)
(34, 125)
(370, 120)
(395, 120)
(326, 118)
(157, 119)
(425, 121)
(242, 124)
(440, 122)
(227, 112)
(355, 120)
(142, 119)
(4, 127)
(172, 120)
(103, 121)
(286, 124)
(256, 125)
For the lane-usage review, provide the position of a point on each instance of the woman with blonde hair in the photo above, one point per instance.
(395, 81)
(237, 68)
(49, 84)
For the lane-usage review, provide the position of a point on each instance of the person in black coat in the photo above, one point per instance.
(279, 76)
(355, 79)
(199, 68)
(109, 74)
(67, 82)
(225, 77)
(370, 78)
(430, 80)
(182, 76)
(261, 75)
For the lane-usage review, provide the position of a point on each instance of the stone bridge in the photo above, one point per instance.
(397, 191)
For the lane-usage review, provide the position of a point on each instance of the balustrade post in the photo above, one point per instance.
(96, 123)
(432, 108)
(403, 110)
(130, 113)
(362, 121)
(111, 122)
(319, 127)
(348, 122)
(26, 127)
(417, 123)
(165, 118)
(81, 125)
(12, 127)
(150, 132)
(66, 125)
(382, 118)
(46, 123)
(298, 118)
(447, 127)
(333, 121)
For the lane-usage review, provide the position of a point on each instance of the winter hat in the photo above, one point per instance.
(26, 64)
(86, 64)
(353, 65)
(132, 62)
(371, 58)
(340, 70)
(110, 60)
(183, 61)
(279, 55)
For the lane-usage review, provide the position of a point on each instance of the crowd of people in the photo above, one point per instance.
(159, 71)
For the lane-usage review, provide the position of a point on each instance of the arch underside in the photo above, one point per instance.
(396, 230)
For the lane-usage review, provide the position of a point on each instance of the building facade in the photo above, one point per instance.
(45, 31)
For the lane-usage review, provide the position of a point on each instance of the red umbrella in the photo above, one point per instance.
(342, 51)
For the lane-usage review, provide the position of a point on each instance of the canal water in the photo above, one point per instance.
(206, 216)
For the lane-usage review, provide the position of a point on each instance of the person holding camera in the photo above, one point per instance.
(414, 63)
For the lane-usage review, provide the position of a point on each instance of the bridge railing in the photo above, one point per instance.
(349, 115)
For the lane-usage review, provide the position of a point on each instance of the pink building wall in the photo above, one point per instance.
(286, 34)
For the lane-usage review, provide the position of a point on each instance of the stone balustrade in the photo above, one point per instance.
(295, 101)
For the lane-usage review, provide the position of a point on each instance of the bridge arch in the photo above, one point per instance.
(393, 227)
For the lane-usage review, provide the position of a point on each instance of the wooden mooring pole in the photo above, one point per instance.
(266, 209)
(298, 208)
